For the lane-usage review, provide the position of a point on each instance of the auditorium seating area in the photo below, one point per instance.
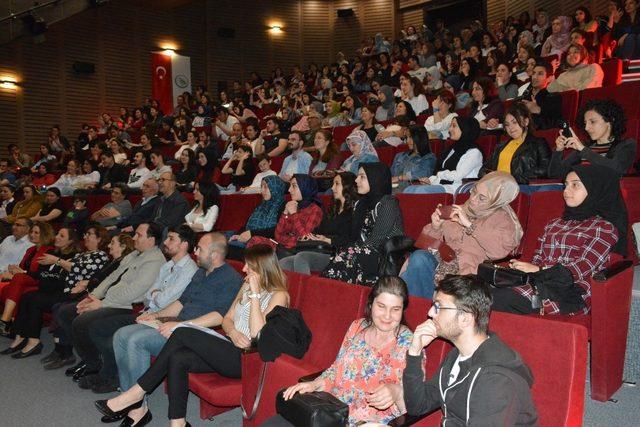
(559, 349)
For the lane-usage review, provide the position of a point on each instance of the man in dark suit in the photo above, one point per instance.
(173, 206)
(144, 210)
(110, 172)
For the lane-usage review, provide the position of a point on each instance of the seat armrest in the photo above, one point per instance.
(611, 271)
(310, 377)
(406, 420)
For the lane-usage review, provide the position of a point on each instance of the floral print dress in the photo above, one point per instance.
(359, 369)
(347, 263)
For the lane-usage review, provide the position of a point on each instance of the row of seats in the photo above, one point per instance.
(555, 351)
(611, 296)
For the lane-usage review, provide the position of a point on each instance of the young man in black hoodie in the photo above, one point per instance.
(482, 381)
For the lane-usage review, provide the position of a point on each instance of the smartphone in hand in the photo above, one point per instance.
(446, 211)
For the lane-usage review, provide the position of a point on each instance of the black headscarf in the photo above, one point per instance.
(308, 189)
(603, 199)
(379, 177)
(470, 129)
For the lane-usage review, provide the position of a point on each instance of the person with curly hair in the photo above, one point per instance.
(605, 123)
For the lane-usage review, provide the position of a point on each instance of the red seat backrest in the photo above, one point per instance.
(340, 133)
(543, 207)
(487, 144)
(386, 154)
(235, 210)
(556, 353)
(328, 325)
(421, 118)
(417, 209)
(612, 69)
(623, 94)
(276, 163)
(570, 105)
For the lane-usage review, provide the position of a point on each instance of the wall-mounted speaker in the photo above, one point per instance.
(226, 33)
(345, 13)
(84, 67)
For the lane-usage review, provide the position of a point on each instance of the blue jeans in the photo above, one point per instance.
(419, 274)
(424, 189)
(630, 47)
(133, 347)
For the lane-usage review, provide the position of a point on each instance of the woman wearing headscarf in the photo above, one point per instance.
(417, 162)
(575, 246)
(558, 42)
(387, 108)
(301, 215)
(485, 227)
(264, 218)
(434, 80)
(462, 160)
(362, 151)
(376, 218)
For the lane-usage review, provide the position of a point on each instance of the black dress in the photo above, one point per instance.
(358, 262)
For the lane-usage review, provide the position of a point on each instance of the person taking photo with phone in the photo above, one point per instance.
(605, 124)
(460, 237)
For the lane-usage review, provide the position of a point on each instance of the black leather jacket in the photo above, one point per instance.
(530, 161)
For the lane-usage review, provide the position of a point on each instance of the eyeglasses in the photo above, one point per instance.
(437, 307)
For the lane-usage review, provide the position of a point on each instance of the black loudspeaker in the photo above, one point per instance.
(345, 13)
(84, 67)
(226, 33)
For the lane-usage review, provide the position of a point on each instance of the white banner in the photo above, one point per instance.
(181, 75)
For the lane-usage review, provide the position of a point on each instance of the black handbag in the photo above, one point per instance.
(314, 246)
(315, 409)
(393, 255)
(502, 277)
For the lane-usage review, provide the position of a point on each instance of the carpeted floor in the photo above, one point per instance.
(32, 397)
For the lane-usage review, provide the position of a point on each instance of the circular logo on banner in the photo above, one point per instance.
(181, 81)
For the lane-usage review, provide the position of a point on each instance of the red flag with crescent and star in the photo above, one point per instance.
(161, 86)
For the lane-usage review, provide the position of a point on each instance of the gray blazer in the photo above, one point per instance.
(141, 272)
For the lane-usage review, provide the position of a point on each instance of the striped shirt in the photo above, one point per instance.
(243, 310)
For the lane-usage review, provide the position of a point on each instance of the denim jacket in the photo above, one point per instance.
(413, 166)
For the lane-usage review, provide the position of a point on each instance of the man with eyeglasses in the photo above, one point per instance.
(482, 381)
(172, 207)
(14, 246)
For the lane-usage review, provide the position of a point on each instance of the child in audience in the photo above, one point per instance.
(264, 166)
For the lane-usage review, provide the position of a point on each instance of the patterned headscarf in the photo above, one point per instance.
(267, 213)
(361, 138)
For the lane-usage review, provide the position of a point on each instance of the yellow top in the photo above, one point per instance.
(504, 161)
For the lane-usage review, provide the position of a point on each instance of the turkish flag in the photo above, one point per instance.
(161, 86)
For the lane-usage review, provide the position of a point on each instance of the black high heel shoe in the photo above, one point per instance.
(12, 350)
(101, 405)
(146, 419)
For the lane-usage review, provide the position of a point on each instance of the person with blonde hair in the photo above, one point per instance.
(191, 350)
(485, 227)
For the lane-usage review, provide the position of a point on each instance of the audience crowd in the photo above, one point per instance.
(132, 281)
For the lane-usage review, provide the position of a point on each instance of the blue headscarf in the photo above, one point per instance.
(309, 190)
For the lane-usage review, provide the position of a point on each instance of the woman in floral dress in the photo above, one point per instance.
(376, 218)
(367, 374)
